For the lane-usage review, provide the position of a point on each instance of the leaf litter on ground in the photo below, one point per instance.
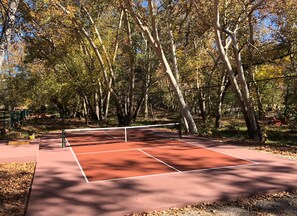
(15, 184)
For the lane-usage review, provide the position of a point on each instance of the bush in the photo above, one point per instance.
(204, 129)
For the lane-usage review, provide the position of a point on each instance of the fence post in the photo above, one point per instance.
(11, 119)
(18, 117)
(63, 138)
(179, 125)
(4, 121)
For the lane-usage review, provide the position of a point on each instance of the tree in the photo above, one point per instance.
(8, 17)
(240, 87)
(150, 29)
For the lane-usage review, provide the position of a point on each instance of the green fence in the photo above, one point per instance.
(12, 119)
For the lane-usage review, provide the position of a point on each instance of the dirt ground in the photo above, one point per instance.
(15, 184)
(283, 203)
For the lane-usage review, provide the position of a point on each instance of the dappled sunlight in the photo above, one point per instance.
(59, 184)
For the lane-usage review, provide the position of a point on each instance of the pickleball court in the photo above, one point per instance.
(137, 152)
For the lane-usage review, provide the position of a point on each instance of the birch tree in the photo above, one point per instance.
(8, 17)
(149, 27)
(113, 68)
(239, 85)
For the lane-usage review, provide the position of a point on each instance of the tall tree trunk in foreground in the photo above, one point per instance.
(147, 79)
(239, 87)
(153, 37)
(96, 105)
(221, 95)
(201, 99)
(7, 26)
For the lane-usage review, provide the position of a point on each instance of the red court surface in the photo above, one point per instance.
(140, 159)
(124, 179)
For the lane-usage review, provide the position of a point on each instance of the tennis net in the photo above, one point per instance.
(95, 136)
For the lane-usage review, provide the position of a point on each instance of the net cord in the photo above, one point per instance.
(64, 131)
(119, 128)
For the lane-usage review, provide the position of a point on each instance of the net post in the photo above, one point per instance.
(179, 127)
(126, 137)
(63, 138)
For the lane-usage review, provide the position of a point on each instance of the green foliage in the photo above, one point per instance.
(205, 129)
(292, 122)
(56, 66)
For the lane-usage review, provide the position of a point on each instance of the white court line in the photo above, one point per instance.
(81, 169)
(121, 150)
(170, 173)
(159, 160)
(198, 146)
(67, 143)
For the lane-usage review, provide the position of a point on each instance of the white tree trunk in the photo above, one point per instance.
(172, 46)
(96, 104)
(7, 27)
(242, 91)
(153, 38)
(147, 80)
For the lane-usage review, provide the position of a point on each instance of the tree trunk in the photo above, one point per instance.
(7, 27)
(251, 45)
(96, 105)
(147, 78)
(172, 46)
(106, 103)
(253, 129)
(183, 106)
(153, 38)
(101, 101)
(131, 100)
(242, 91)
(146, 97)
(201, 100)
(85, 109)
(222, 92)
(109, 78)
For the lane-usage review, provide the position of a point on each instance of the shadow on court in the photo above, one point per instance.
(59, 186)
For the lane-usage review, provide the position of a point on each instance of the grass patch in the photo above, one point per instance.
(281, 136)
(235, 129)
(238, 133)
